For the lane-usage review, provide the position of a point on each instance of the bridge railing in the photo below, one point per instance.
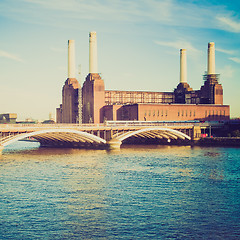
(109, 124)
(52, 126)
(150, 123)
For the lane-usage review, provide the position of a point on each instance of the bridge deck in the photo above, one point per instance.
(89, 127)
(90, 134)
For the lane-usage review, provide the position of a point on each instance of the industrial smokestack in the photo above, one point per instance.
(211, 58)
(183, 66)
(71, 59)
(93, 64)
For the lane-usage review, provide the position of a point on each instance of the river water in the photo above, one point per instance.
(139, 192)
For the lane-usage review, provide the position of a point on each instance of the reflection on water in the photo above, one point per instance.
(139, 192)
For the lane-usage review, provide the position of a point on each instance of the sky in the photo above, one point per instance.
(138, 47)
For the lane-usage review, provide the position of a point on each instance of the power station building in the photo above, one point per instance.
(91, 103)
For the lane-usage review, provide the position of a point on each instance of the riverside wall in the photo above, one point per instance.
(219, 141)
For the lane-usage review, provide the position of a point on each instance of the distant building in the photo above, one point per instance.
(28, 121)
(8, 118)
(93, 104)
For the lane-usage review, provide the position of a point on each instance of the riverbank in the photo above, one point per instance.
(219, 141)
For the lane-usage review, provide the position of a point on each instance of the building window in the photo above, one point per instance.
(162, 112)
(206, 113)
(182, 113)
(190, 113)
(166, 112)
(178, 113)
(145, 114)
(186, 113)
(158, 113)
(194, 113)
(220, 112)
(209, 113)
(223, 112)
(149, 113)
(153, 112)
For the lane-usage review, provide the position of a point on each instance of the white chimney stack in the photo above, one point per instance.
(211, 58)
(71, 59)
(93, 64)
(183, 66)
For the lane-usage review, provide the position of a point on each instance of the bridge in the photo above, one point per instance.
(101, 136)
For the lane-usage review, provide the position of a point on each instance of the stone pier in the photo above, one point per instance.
(114, 144)
(196, 134)
(1, 148)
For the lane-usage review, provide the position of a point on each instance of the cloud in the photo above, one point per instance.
(229, 24)
(235, 59)
(108, 9)
(59, 50)
(227, 72)
(10, 56)
(179, 44)
(229, 52)
(61, 68)
(66, 14)
(170, 12)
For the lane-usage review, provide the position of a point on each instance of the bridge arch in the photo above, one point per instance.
(58, 137)
(153, 132)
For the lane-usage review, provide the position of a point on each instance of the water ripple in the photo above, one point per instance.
(147, 192)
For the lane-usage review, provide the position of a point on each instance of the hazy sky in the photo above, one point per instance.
(138, 47)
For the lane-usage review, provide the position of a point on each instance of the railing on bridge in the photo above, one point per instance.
(152, 123)
(166, 123)
(117, 123)
(110, 124)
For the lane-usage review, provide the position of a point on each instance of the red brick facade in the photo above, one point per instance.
(166, 112)
(99, 105)
(68, 111)
(93, 98)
